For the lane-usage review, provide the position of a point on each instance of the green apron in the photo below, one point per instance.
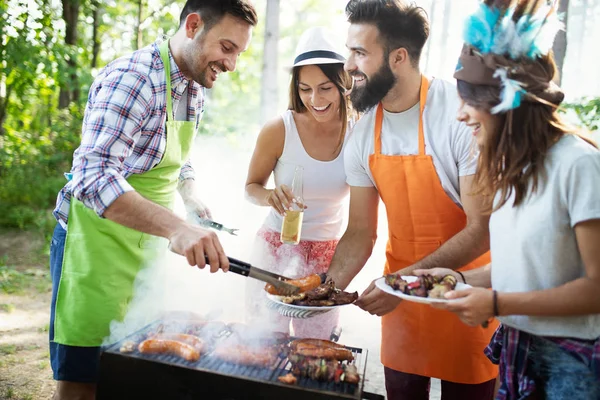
(102, 257)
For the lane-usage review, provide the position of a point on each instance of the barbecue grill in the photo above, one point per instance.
(143, 376)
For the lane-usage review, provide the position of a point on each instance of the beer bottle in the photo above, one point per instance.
(292, 221)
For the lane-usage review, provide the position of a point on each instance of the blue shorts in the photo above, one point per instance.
(69, 363)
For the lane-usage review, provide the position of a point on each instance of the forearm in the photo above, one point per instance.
(351, 254)
(461, 249)
(479, 277)
(135, 212)
(578, 297)
(186, 189)
(257, 194)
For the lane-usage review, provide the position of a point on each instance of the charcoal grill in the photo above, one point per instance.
(134, 375)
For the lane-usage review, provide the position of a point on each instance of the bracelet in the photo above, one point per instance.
(462, 276)
(496, 313)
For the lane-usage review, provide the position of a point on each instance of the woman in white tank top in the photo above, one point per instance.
(311, 133)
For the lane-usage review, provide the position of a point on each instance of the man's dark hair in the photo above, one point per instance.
(400, 24)
(212, 11)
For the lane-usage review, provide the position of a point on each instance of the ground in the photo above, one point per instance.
(25, 372)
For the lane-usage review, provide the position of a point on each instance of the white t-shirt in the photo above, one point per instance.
(534, 246)
(447, 140)
(324, 190)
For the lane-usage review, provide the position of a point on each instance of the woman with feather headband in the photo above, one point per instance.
(542, 180)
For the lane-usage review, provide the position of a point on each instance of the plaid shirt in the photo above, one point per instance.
(123, 130)
(510, 348)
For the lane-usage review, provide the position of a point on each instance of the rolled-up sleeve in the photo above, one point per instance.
(113, 120)
(187, 171)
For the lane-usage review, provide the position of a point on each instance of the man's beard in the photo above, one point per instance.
(374, 90)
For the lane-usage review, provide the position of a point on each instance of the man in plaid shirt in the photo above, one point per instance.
(140, 121)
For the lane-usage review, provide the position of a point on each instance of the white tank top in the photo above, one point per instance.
(325, 187)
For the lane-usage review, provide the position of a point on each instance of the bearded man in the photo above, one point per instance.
(114, 214)
(409, 150)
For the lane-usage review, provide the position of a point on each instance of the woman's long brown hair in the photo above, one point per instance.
(342, 81)
(512, 159)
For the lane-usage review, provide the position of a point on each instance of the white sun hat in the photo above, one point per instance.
(317, 45)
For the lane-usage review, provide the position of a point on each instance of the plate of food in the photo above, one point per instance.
(313, 299)
(426, 289)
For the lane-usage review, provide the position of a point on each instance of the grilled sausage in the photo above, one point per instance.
(192, 340)
(305, 284)
(326, 353)
(317, 343)
(243, 355)
(166, 346)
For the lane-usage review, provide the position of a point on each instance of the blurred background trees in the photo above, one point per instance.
(50, 50)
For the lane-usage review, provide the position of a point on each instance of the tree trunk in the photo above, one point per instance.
(70, 15)
(138, 31)
(430, 39)
(560, 42)
(3, 106)
(95, 40)
(268, 96)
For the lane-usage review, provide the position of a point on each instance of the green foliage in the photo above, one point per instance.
(13, 281)
(587, 112)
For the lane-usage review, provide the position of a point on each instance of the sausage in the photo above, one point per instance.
(317, 343)
(326, 353)
(305, 284)
(242, 355)
(192, 340)
(166, 346)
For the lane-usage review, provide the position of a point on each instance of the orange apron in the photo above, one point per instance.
(417, 338)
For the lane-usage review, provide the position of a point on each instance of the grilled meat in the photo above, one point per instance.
(341, 297)
(246, 355)
(315, 303)
(323, 370)
(322, 292)
(290, 379)
(295, 297)
(424, 286)
(305, 284)
(315, 342)
(173, 347)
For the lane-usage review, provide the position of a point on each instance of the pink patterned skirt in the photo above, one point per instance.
(294, 261)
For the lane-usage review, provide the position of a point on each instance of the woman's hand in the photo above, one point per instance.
(281, 199)
(474, 306)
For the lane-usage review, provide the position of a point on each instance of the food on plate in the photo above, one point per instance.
(305, 284)
(424, 286)
(168, 346)
(247, 355)
(324, 295)
(289, 379)
(323, 370)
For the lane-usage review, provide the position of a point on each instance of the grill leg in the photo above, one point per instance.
(336, 332)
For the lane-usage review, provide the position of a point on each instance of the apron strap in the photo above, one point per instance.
(379, 119)
(422, 101)
(164, 55)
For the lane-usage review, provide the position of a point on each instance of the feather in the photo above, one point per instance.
(479, 28)
(506, 33)
(511, 92)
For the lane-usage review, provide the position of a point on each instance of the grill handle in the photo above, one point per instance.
(372, 396)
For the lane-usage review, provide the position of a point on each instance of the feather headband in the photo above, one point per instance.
(502, 43)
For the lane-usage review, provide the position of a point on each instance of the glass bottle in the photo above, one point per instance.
(291, 227)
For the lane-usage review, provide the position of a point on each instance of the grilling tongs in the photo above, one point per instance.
(243, 268)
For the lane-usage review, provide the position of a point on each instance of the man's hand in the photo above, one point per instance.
(377, 302)
(474, 306)
(195, 244)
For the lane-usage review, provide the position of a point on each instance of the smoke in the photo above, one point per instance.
(169, 287)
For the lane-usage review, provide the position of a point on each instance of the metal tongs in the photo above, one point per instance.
(215, 225)
(278, 281)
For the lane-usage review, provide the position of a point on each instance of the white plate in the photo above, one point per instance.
(293, 311)
(380, 283)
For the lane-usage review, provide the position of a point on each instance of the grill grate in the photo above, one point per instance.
(146, 376)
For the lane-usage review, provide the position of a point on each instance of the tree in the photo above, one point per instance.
(268, 98)
(69, 88)
(560, 42)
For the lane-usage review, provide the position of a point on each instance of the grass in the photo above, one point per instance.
(13, 281)
(8, 349)
(7, 308)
